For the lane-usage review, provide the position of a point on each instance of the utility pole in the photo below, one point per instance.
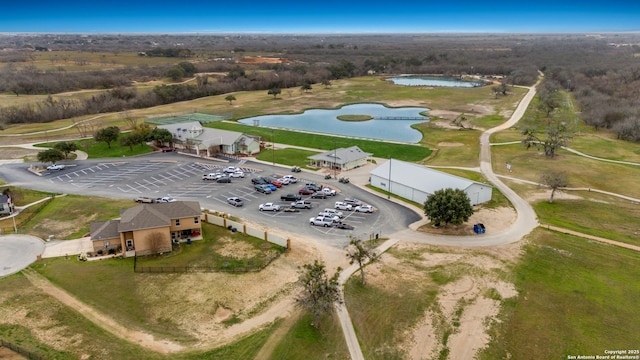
(335, 159)
(389, 194)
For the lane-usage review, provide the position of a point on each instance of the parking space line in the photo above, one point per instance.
(131, 187)
(165, 178)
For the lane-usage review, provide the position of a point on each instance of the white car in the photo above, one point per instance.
(343, 206)
(212, 176)
(284, 181)
(55, 167)
(166, 199)
(333, 212)
(364, 208)
(231, 169)
(269, 207)
(237, 174)
(292, 179)
(325, 221)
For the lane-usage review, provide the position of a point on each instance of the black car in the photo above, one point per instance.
(257, 181)
(224, 179)
(290, 197)
(319, 195)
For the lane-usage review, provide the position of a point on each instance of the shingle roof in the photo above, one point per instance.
(206, 135)
(101, 230)
(150, 216)
(341, 155)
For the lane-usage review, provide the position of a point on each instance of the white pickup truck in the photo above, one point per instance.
(328, 191)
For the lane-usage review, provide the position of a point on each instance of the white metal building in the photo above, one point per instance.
(416, 182)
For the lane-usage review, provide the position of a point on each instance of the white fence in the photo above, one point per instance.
(247, 230)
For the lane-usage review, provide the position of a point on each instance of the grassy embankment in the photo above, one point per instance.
(576, 297)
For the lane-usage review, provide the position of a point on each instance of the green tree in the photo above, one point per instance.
(50, 155)
(319, 292)
(448, 206)
(160, 136)
(132, 139)
(143, 130)
(274, 91)
(175, 73)
(306, 87)
(188, 68)
(66, 147)
(358, 252)
(108, 135)
(230, 98)
(554, 180)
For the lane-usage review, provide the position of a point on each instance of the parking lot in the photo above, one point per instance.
(180, 177)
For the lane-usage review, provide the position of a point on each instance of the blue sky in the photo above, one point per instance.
(328, 16)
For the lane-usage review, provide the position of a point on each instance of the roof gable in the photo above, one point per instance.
(101, 230)
(342, 155)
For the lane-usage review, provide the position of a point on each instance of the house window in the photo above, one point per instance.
(177, 222)
(129, 244)
(196, 220)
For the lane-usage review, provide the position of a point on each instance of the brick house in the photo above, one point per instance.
(149, 228)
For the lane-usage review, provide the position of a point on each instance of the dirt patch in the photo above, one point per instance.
(449, 144)
(463, 307)
(544, 196)
(16, 153)
(494, 220)
(6, 354)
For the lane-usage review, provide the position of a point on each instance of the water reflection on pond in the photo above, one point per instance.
(387, 124)
(415, 80)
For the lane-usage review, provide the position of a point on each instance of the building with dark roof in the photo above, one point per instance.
(149, 228)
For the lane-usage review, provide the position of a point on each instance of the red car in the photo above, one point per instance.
(305, 191)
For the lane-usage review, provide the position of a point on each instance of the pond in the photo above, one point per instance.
(392, 124)
(415, 80)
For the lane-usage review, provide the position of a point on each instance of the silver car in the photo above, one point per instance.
(235, 201)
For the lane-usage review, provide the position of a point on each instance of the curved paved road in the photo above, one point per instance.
(525, 223)
(18, 252)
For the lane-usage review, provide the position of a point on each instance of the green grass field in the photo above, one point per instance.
(576, 297)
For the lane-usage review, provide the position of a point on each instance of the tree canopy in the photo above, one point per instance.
(108, 135)
(66, 147)
(358, 252)
(160, 135)
(50, 155)
(319, 292)
(448, 206)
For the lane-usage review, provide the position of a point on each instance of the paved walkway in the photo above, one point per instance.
(18, 252)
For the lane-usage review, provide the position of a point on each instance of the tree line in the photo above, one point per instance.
(601, 72)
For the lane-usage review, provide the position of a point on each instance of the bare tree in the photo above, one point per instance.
(155, 240)
(557, 136)
(360, 253)
(555, 181)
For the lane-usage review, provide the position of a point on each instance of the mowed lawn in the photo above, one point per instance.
(576, 297)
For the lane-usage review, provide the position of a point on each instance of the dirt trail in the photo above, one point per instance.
(139, 337)
(276, 336)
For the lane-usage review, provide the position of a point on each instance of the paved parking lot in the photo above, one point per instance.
(180, 177)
